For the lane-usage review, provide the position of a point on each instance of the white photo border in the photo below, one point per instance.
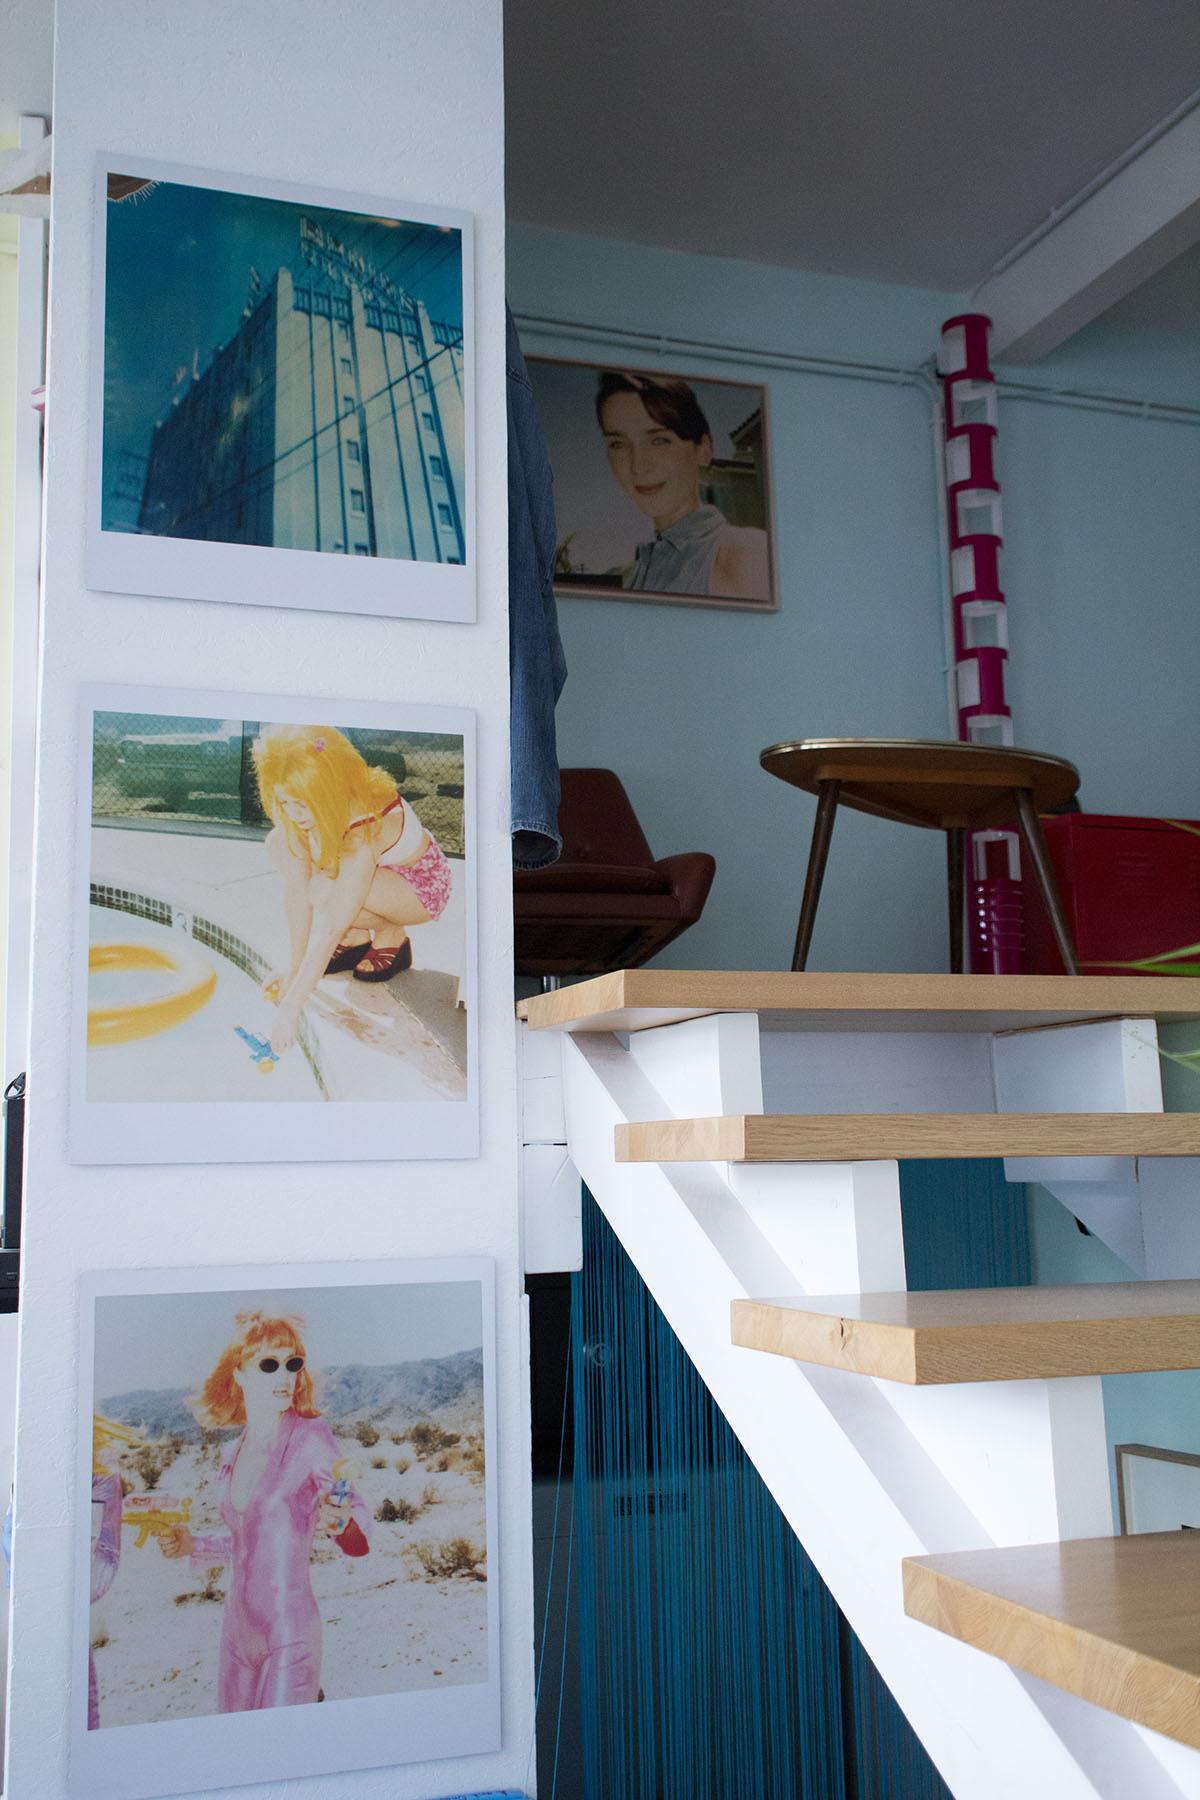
(200, 1131)
(256, 574)
(184, 1756)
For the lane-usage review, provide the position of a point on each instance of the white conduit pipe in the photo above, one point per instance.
(650, 343)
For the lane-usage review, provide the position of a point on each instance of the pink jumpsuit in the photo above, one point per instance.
(106, 1554)
(271, 1635)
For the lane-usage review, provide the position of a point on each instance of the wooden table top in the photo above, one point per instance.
(925, 782)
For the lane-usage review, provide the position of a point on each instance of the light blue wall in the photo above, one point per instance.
(1101, 566)
(1162, 1409)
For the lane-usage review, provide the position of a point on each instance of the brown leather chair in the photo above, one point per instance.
(606, 904)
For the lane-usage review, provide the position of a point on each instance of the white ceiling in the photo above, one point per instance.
(905, 140)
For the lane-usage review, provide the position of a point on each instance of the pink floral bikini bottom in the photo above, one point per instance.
(429, 877)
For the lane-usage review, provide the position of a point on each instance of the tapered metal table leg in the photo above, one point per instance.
(818, 855)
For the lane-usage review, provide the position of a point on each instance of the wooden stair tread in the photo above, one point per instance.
(637, 999)
(983, 1334)
(872, 1137)
(1113, 1620)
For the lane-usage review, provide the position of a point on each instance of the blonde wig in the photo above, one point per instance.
(320, 769)
(109, 1438)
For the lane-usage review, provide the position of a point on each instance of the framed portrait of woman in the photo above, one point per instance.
(661, 485)
(285, 1545)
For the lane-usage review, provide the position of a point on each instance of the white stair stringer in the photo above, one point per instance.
(1144, 1208)
(855, 1481)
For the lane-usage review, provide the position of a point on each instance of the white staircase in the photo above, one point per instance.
(872, 1462)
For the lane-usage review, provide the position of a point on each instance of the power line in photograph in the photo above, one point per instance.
(261, 470)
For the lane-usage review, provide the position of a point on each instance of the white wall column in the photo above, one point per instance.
(406, 101)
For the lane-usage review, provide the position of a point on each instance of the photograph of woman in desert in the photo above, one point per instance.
(291, 1498)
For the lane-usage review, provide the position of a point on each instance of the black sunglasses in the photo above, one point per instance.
(293, 1365)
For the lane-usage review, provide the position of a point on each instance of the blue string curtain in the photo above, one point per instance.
(964, 1226)
(714, 1663)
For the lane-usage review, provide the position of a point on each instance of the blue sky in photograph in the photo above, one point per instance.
(174, 1340)
(178, 276)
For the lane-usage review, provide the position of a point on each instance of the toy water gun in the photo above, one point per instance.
(154, 1515)
(344, 1472)
(350, 1541)
(259, 1048)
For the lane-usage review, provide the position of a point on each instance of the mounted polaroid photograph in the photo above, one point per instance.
(661, 485)
(274, 955)
(285, 1531)
(282, 386)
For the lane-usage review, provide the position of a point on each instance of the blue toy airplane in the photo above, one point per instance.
(259, 1048)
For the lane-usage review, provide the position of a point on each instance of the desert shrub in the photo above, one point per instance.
(392, 1512)
(402, 1465)
(454, 1556)
(379, 1462)
(366, 1433)
(473, 1457)
(431, 1493)
(100, 1640)
(397, 1437)
(442, 1465)
(427, 1438)
(211, 1445)
(151, 1461)
(208, 1591)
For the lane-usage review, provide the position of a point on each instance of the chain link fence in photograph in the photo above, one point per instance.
(156, 770)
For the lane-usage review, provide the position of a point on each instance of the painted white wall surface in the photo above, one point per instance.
(278, 88)
(1101, 568)
(8, 405)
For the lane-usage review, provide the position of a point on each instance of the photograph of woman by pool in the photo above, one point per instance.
(661, 485)
(276, 956)
(290, 1513)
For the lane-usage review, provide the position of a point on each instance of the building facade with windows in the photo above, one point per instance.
(332, 419)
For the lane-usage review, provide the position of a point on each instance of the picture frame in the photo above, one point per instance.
(1157, 1489)
(389, 1603)
(184, 1048)
(662, 484)
(282, 387)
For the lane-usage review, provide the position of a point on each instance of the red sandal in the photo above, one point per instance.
(347, 956)
(383, 964)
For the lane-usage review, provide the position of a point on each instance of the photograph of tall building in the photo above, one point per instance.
(282, 374)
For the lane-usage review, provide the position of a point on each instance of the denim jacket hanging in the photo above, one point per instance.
(537, 667)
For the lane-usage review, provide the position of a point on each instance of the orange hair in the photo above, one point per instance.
(221, 1399)
(318, 767)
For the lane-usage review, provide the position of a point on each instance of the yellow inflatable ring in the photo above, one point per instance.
(192, 987)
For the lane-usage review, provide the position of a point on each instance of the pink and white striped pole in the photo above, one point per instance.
(974, 519)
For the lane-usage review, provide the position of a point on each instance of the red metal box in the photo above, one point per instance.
(1131, 892)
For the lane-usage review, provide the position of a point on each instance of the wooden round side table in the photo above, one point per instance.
(947, 787)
